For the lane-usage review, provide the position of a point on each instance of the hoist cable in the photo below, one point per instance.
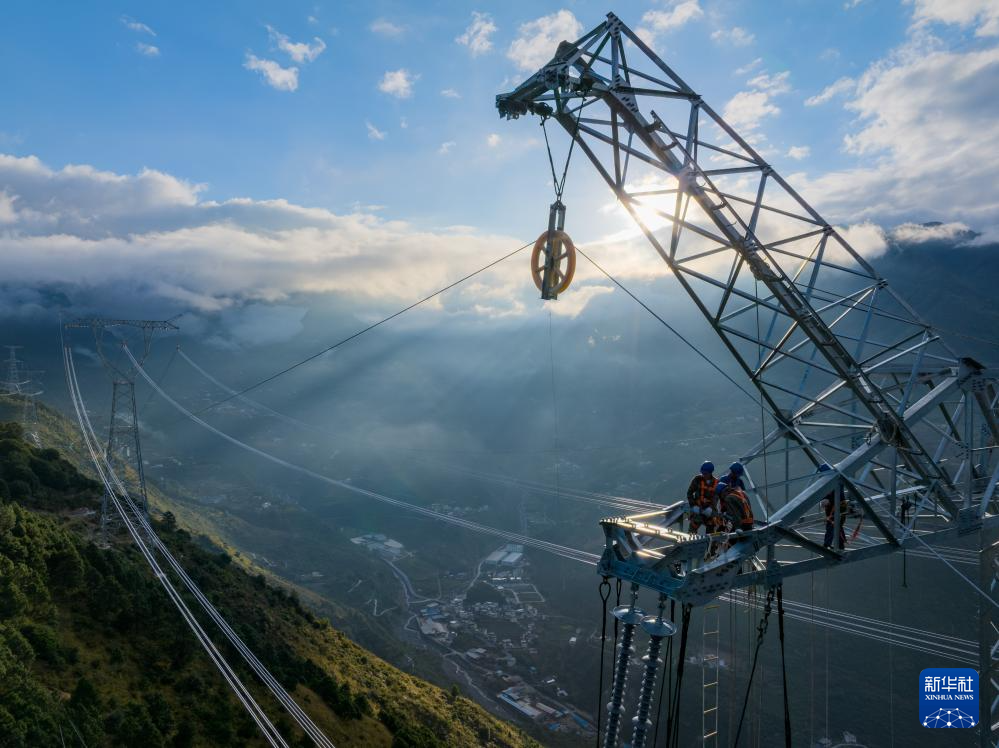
(761, 631)
(603, 590)
(669, 327)
(783, 664)
(555, 444)
(560, 184)
(361, 332)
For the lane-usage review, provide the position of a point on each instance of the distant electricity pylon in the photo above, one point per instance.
(124, 446)
(18, 384)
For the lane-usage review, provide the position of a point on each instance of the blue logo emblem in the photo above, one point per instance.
(948, 697)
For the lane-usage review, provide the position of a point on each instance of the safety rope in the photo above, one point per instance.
(761, 631)
(783, 664)
(603, 589)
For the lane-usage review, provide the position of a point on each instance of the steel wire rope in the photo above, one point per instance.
(319, 429)
(564, 551)
(162, 378)
(360, 332)
(89, 440)
(269, 680)
(783, 664)
(242, 694)
(827, 656)
(468, 524)
(891, 664)
(603, 590)
(761, 631)
(668, 326)
(560, 185)
(931, 549)
(555, 443)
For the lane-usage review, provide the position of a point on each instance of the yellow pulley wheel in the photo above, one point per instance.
(563, 261)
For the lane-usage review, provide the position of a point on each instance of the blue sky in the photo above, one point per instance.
(878, 110)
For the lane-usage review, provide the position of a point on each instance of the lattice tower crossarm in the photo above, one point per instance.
(146, 327)
(847, 374)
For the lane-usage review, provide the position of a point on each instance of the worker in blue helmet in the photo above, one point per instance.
(732, 479)
(702, 501)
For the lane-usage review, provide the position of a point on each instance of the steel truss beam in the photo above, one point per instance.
(847, 374)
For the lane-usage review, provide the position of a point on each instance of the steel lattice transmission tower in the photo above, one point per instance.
(860, 397)
(18, 384)
(124, 446)
(15, 380)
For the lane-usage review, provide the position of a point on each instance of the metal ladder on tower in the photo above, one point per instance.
(710, 650)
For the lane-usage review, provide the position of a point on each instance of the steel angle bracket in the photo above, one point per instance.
(645, 549)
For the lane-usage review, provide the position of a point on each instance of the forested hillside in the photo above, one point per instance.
(92, 652)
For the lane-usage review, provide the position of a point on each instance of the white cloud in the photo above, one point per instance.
(736, 36)
(373, 132)
(443, 150)
(148, 236)
(778, 83)
(926, 130)
(283, 79)
(300, 52)
(8, 213)
(749, 67)
(537, 40)
(493, 140)
(850, 4)
(477, 36)
(747, 109)
(148, 50)
(403, 123)
(984, 14)
(450, 93)
(917, 233)
(840, 87)
(398, 83)
(385, 27)
(132, 25)
(798, 152)
(867, 238)
(260, 324)
(656, 22)
(572, 303)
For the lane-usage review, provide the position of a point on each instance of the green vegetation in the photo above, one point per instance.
(92, 652)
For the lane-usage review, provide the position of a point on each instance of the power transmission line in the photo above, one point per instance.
(359, 333)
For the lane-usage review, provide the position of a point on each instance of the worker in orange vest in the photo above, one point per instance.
(703, 507)
(737, 507)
